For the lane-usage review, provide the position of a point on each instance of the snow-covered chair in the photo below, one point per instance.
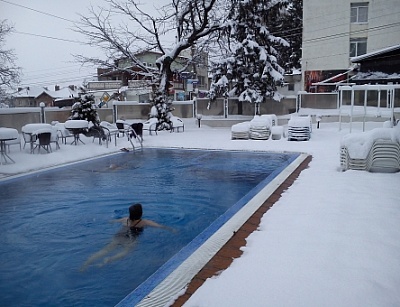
(240, 131)
(299, 128)
(177, 124)
(55, 137)
(17, 141)
(63, 132)
(110, 130)
(260, 128)
(151, 125)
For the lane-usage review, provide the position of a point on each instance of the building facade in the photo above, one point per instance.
(336, 31)
(186, 80)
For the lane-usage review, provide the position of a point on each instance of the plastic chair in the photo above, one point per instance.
(177, 124)
(55, 137)
(63, 133)
(43, 141)
(137, 131)
(28, 139)
(17, 141)
(109, 131)
(151, 125)
(122, 127)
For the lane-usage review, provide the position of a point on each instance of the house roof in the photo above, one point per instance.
(374, 53)
(36, 91)
(30, 91)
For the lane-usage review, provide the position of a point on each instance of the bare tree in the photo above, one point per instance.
(9, 72)
(188, 22)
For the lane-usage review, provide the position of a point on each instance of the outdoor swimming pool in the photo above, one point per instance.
(52, 221)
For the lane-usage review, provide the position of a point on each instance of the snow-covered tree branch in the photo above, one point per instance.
(251, 68)
(9, 72)
(125, 29)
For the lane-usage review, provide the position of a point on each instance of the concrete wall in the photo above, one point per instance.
(216, 108)
(18, 117)
(132, 110)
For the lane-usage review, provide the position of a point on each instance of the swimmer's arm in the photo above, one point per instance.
(154, 224)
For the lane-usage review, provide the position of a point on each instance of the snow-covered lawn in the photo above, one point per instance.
(332, 239)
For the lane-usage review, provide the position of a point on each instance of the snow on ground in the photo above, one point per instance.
(333, 238)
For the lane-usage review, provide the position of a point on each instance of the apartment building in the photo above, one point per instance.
(336, 31)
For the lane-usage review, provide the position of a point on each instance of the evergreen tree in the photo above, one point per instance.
(252, 69)
(162, 109)
(85, 109)
(290, 27)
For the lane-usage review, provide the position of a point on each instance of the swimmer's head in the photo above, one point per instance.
(112, 166)
(135, 212)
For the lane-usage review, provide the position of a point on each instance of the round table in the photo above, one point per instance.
(77, 127)
(6, 134)
(30, 129)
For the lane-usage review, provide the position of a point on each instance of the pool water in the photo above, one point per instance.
(52, 221)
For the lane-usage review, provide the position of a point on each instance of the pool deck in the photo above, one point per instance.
(232, 249)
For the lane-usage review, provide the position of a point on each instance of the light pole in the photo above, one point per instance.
(318, 119)
(199, 117)
(42, 115)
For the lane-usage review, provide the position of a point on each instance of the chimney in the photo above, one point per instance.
(72, 87)
(56, 88)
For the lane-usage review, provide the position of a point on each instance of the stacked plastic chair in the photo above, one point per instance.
(260, 128)
(299, 128)
(383, 154)
(240, 131)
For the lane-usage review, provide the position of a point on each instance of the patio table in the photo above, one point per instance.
(30, 129)
(6, 134)
(77, 127)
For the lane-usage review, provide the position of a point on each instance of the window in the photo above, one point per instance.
(290, 87)
(358, 46)
(359, 12)
(201, 80)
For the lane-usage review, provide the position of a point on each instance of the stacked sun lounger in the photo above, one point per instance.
(376, 151)
(299, 128)
(240, 131)
(384, 157)
(260, 128)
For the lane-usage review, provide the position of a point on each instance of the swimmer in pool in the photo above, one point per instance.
(125, 239)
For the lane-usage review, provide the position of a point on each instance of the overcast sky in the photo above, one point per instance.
(44, 41)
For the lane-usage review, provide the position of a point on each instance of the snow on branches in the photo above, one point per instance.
(252, 69)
